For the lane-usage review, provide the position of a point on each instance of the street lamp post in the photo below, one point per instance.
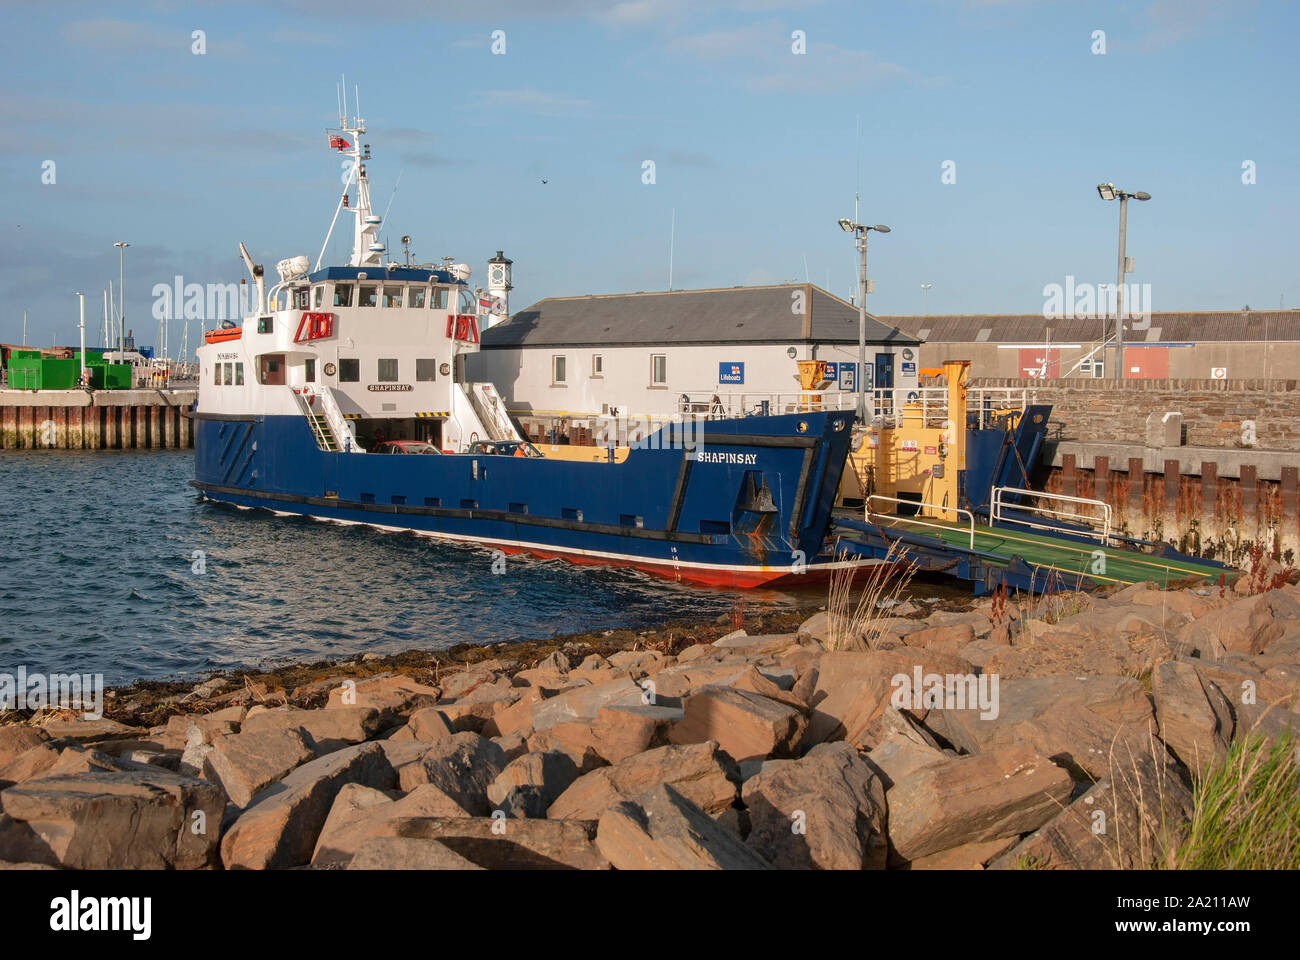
(860, 235)
(1107, 191)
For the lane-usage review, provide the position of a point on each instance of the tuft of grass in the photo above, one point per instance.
(1246, 813)
(855, 626)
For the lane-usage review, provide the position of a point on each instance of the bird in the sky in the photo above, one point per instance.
(546, 181)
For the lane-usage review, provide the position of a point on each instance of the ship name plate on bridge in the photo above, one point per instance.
(389, 387)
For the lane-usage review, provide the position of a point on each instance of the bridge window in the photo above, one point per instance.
(438, 299)
(426, 370)
(299, 299)
(309, 370)
(317, 296)
(366, 296)
(349, 370)
(387, 371)
(342, 294)
(392, 296)
(416, 297)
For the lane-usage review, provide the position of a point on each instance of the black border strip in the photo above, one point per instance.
(504, 516)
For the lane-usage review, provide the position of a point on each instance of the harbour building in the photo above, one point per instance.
(651, 357)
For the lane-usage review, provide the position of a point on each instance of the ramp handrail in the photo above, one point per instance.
(921, 523)
(996, 515)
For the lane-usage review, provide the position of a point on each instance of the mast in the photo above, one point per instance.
(367, 251)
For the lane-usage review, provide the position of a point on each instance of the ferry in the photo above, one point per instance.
(300, 403)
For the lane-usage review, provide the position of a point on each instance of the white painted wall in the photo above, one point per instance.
(524, 376)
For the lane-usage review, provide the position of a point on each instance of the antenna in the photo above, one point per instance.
(672, 240)
(390, 198)
(806, 278)
(345, 99)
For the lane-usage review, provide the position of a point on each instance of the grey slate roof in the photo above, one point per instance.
(1227, 325)
(723, 315)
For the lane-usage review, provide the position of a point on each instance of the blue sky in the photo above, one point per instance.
(754, 146)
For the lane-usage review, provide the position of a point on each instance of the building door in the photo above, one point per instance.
(884, 371)
(271, 369)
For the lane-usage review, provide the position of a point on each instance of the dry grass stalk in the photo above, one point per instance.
(855, 625)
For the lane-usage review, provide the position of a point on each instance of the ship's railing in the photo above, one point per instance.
(887, 407)
(997, 506)
(344, 434)
(919, 521)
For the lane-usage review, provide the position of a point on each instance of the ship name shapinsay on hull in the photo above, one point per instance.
(315, 403)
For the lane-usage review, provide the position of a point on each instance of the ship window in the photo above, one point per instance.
(349, 370)
(366, 296)
(658, 369)
(392, 296)
(309, 370)
(438, 299)
(266, 324)
(387, 371)
(558, 372)
(426, 370)
(300, 299)
(239, 374)
(342, 294)
(466, 302)
(216, 374)
(317, 296)
(597, 365)
(226, 374)
(417, 296)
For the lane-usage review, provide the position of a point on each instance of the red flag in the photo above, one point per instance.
(338, 143)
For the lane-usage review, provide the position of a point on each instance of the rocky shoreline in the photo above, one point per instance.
(1060, 732)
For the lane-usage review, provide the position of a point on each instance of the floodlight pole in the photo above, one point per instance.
(1119, 289)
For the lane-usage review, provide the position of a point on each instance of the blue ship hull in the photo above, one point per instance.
(750, 506)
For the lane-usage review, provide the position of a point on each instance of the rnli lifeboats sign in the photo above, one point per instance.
(731, 373)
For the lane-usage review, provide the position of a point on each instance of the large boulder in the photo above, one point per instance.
(137, 819)
(550, 773)
(360, 814)
(324, 730)
(407, 853)
(1195, 719)
(969, 799)
(280, 829)
(824, 811)
(617, 732)
(1244, 626)
(496, 843)
(247, 763)
(699, 771)
(16, 739)
(662, 830)
(1129, 820)
(853, 688)
(462, 766)
(746, 725)
(391, 696)
(583, 703)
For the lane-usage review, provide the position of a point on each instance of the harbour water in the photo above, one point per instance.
(109, 563)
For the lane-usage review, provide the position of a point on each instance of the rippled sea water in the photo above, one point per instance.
(96, 576)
